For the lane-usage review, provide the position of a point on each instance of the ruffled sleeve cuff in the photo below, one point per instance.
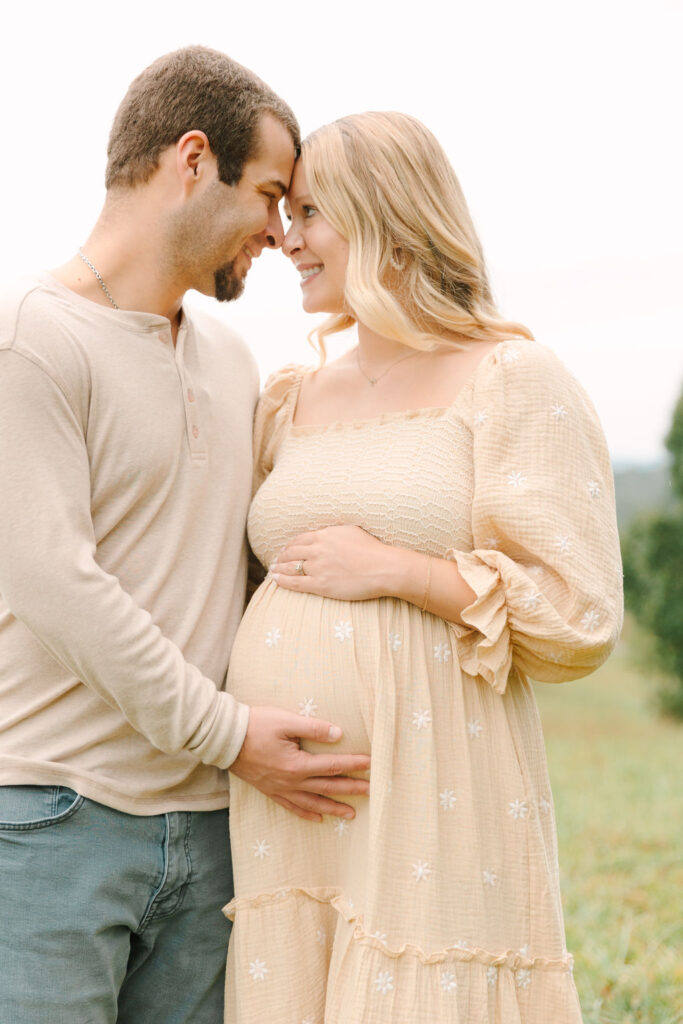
(483, 644)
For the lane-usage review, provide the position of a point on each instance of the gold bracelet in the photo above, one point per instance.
(428, 583)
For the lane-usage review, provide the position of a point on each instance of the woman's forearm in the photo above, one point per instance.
(432, 584)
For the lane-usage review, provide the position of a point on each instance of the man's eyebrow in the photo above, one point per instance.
(275, 183)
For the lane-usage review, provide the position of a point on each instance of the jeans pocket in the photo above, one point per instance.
(26, 808)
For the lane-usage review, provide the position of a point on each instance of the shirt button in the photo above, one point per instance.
(190, 395)
(195, 431)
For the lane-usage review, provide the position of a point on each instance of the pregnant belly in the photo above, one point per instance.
(312, 656)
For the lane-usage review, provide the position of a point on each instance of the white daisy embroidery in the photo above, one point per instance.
(421, 719)
(341, 827)
(591, 620)
(442, 652)
(532, 599)
(421, 871)
(258, 970)
(448, 982)
(524, 950)
(390, 786)
(307, 707)
(518, 809)
(342, 630)
(490, 878)
(395, 641)
(562, 544)
(321, 937)
(544, 805)
(474, 729)
(447, 799)
(461, 944)
(516, 479)
(558, 412)
(382, 936)
(492, 975)
(523, 977)
(261, 849)
(308, 1020)
(491, 543)
(535, 570)
(384, 982)
(273, 637)
(480, 418)
(511, 356)
(593, 488)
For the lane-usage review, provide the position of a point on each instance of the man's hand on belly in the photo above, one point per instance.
(272, 760)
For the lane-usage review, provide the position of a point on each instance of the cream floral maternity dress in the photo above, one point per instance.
(440, 902)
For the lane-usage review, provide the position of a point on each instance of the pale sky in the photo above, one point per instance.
(562, 123)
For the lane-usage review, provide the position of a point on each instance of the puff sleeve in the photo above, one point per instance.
(545, 564)
(274, 414)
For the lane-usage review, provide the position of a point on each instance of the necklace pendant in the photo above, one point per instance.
(372, 381)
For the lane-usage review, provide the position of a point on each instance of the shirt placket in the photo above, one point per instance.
(194, 420)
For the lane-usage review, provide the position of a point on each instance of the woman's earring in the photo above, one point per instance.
(396, 264)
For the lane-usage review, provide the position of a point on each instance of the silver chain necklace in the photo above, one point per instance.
(374, 380)
(98, 276)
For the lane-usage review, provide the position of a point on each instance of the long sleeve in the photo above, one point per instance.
(51, 581)
(545, 565)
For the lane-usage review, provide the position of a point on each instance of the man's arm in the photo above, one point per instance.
(82, 616)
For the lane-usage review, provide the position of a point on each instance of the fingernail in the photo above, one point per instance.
(348, 814)
(334, 733)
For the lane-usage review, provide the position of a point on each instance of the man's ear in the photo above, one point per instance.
(194, 159)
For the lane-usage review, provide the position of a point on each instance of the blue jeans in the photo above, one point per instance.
(109, 917)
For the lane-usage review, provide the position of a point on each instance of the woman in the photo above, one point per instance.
(436, 510)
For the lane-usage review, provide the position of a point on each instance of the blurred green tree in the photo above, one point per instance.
(653, 574)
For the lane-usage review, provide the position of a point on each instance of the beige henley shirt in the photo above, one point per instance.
(125, 476)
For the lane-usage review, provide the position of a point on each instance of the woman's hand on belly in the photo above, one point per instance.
(349, 564)
(342, 562)
(272, 760)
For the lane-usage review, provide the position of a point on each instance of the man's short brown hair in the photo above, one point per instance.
(193, 88)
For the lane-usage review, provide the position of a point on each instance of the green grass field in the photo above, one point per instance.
(616, 769)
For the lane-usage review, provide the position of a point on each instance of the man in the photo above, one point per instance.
(125, 461)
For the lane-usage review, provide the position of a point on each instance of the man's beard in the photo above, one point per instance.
(228, 285)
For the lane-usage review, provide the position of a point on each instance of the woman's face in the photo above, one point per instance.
(318, 252)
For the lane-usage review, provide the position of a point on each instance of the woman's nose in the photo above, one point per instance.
(292, 242)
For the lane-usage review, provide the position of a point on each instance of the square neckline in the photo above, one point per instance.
(422, 412)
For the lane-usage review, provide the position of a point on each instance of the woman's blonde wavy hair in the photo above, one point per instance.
(416, 269)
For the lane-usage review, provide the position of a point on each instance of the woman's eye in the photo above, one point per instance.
(309, 211)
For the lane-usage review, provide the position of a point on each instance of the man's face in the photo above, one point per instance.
(231, 224)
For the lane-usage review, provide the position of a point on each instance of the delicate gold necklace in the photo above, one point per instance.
(374, 380)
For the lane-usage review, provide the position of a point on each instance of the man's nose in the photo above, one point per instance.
(275, 234)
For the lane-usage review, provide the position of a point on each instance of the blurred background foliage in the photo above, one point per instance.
(651, 524)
